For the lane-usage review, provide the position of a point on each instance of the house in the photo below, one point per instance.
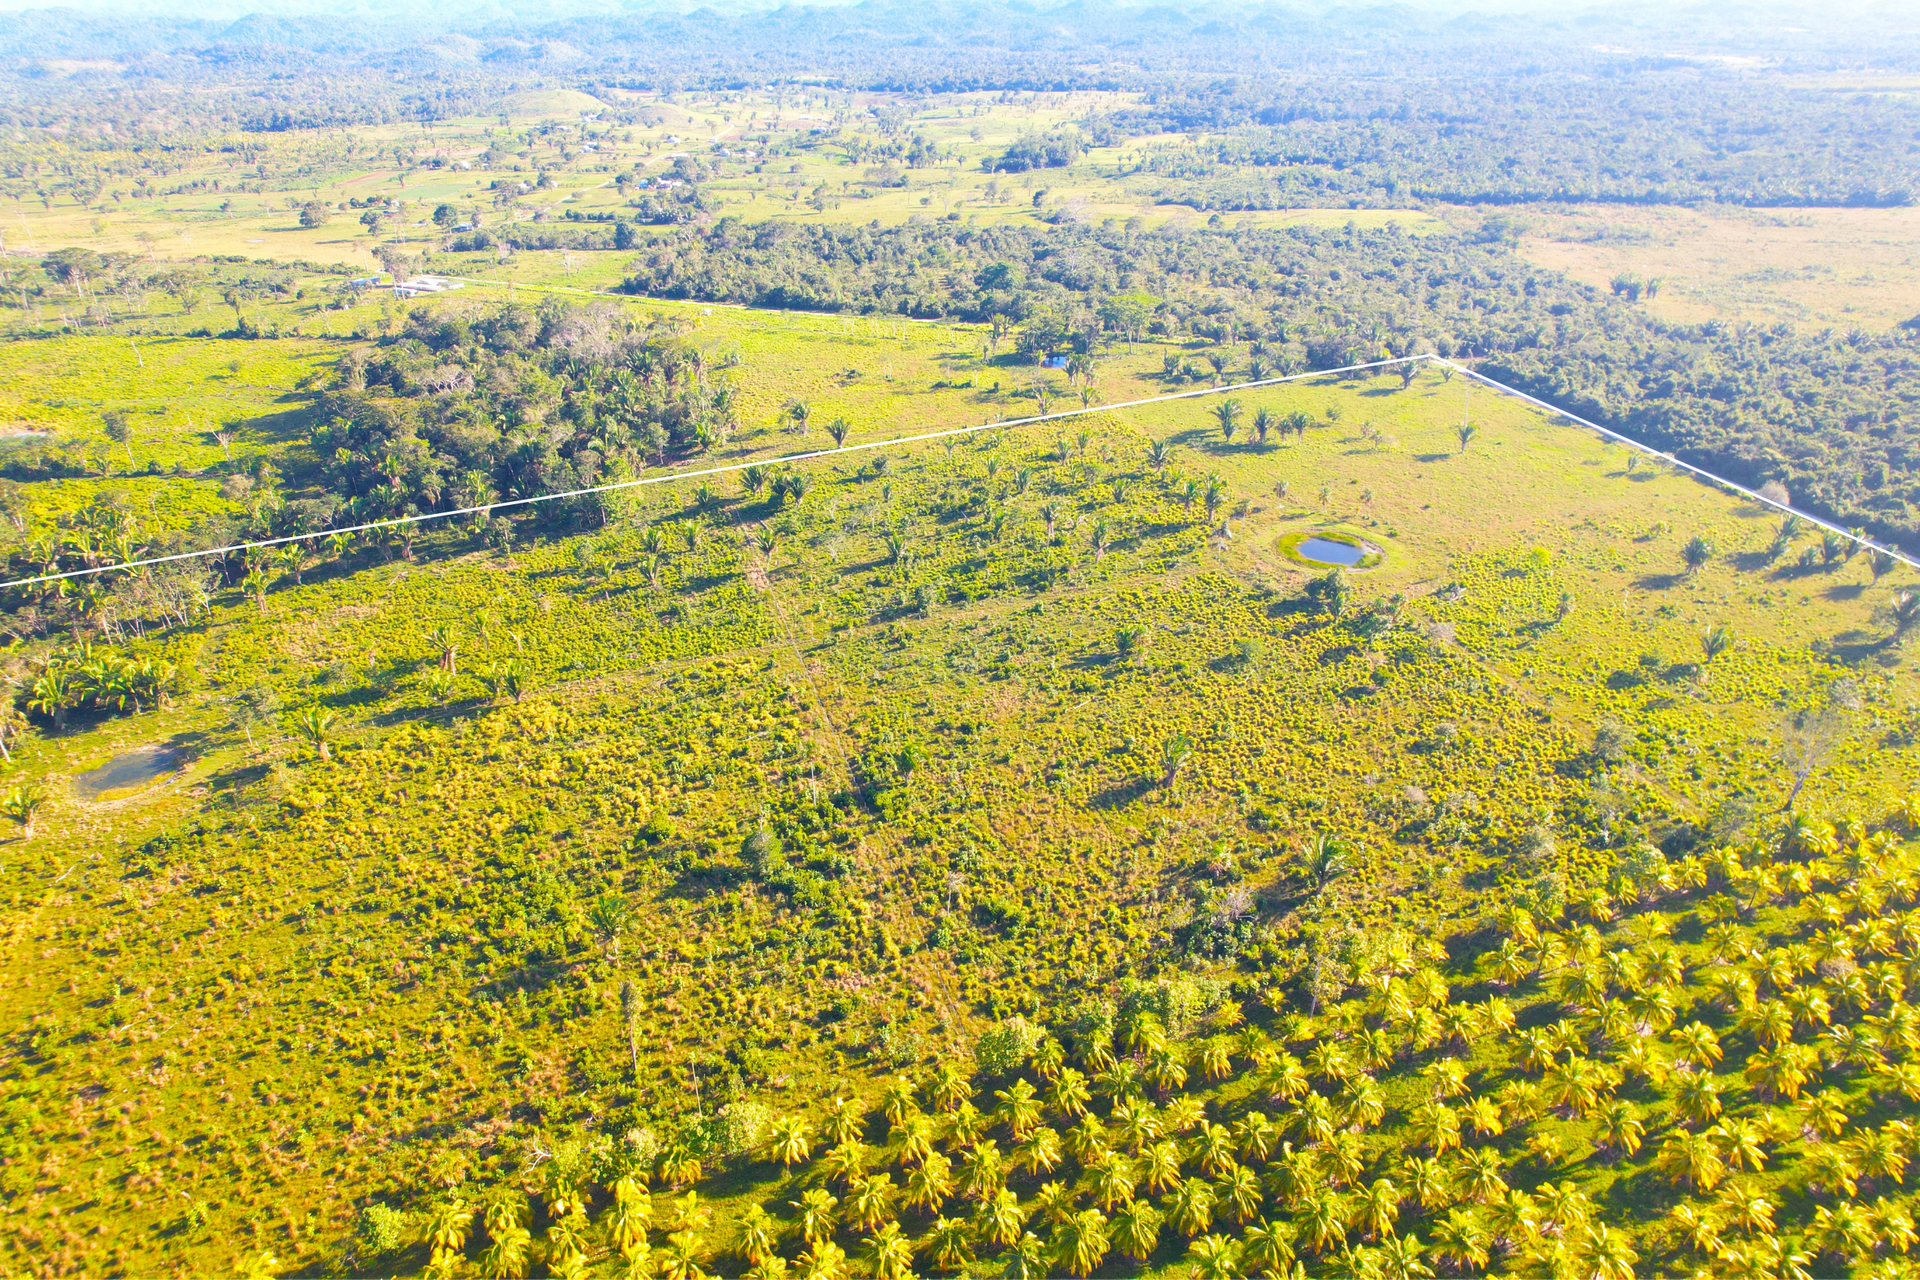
(416, 286)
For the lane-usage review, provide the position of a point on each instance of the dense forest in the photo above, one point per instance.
(1830, 416)
(1669, 138)
(1428, 105)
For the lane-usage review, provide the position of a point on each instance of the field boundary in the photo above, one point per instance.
(950, 432)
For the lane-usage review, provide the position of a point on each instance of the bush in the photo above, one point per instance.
(1006, 1046)
(381, 1230)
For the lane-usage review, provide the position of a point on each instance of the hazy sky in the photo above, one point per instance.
(457, 13)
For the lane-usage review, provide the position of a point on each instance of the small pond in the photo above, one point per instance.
(1327, 551)
(129, 769)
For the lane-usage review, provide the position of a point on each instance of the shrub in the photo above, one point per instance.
(1006, 1046)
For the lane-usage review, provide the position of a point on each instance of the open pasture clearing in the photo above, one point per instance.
(1849, 268)
(914, 674)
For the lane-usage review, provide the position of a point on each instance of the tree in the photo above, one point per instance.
(314, 725)
(22, 806)
(610, 916)
(14, 726)
(888, 1254)
(1904, 612)
(1330, 592)
(1214, 1257)
(1696, 554)
(1715, 641)
(314, 215)
(1227, 414)
(1466, 431)
(838, 429)
(1081, 1242)
(1809, 736)
(1327, 858)
(119, 429)
(1173, 754)
(1127, 313)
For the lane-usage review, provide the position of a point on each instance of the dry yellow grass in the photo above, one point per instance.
(1844, 267)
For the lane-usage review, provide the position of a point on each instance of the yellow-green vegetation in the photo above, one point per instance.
(1027, 851)
(1812, 267)
(560, 897)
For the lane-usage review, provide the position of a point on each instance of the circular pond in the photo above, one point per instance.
(1329, 548)
(1327, 551)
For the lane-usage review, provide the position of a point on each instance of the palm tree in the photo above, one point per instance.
(888, 1254)
(759, 1232)
(255, 584)
(1328, 857)
(1102, 540)
(1905, 612)
(1401, 1256)
(1019, 1107)
(1192, 1206)
(1173, 754)
(1324, 1215)
(1227, 414)
(1068, 1094)
(1466, 431)
(22, 806)
(1241, 1189)
(1880, 562)
(824, 1261)
(1002, 1220)
(1692, 1157)
(791, 1140)
(838, 429)
(1159, 456)
(681, 1259)
(1263, 424)
(1462, 1240)
(446, 645)
(1081, 1242)
(314, 724)
(845, 1163)
(1214, 1257)
(949, 1244)
(871, 1201)
(1696, 554)
(817, 1214)
(1213, 1149)
(1215, 496)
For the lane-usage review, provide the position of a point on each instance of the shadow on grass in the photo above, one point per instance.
(1121, 794)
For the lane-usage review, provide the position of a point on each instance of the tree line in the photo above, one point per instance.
(1825, 414)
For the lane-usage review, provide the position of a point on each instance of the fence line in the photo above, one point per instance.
(789, 459)
(1700, 472)
(642, 481)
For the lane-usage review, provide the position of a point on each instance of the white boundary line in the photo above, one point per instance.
(695, 475)
(788, 459)
(1670, 460)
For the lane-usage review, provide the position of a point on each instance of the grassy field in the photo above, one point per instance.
(270, 992)
(1849, 268)
(565, 895)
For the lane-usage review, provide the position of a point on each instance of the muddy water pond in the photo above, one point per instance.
(127, 771)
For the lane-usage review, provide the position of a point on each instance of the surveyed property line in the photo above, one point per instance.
(785, 460)
(1670, 460)
(948, 433)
